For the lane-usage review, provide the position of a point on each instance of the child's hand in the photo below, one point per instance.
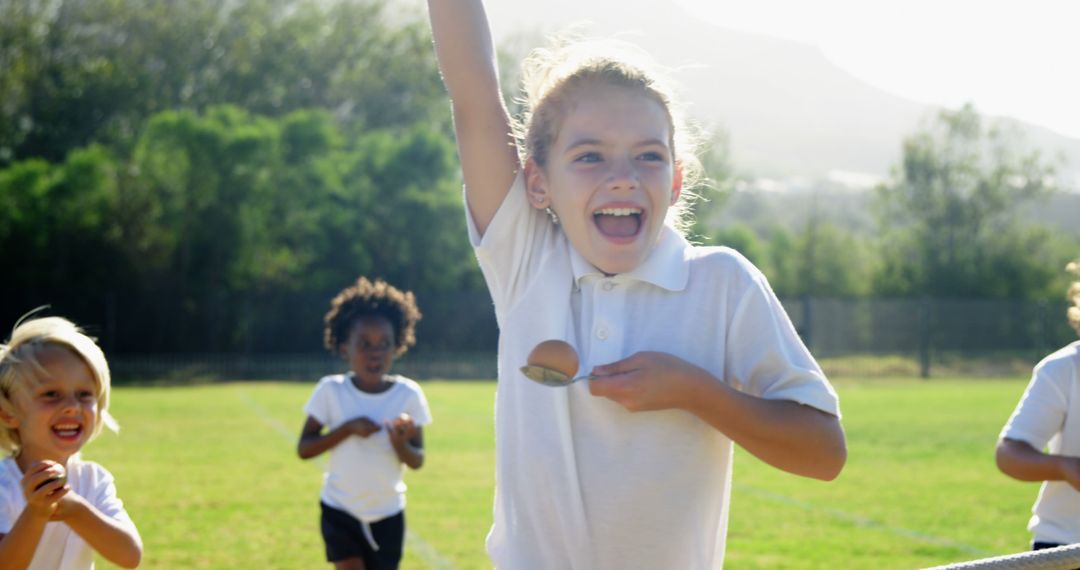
(44, 486)
(401, 428)
(362, 426)
(67, 506)
(646, 381)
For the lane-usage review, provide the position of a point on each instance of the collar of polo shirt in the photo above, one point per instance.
(667, 266)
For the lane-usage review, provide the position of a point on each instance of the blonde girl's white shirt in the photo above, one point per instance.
(364, 474)
(581, 483)
(60, 547)
(1048, 417)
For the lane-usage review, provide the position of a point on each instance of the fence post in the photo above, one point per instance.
(924, 337)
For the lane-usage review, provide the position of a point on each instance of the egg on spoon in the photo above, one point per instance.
(555, 355)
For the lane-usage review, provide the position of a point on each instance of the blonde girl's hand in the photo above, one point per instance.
(362, 426)
(68, 505)
(44, 486)
(401, 428)
(646, 381)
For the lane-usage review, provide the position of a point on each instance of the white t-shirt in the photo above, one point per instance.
(1048, 417)
(582, 483)
(60, 547)
(364, 475)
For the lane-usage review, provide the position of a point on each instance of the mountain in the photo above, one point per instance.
(789, 111)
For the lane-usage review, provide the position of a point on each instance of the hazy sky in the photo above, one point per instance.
(1011, 57)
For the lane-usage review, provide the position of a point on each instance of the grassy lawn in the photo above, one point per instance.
(210, 476)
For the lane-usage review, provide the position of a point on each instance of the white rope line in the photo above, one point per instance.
(1060, 558)
(426, 551)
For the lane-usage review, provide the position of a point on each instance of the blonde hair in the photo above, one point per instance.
(19, 368)
(552, 77)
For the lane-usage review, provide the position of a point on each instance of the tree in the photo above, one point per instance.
(742, 239)
(202, 176)
(947, 228)
(59, 235)
(711, 195)
(822, 260)
(82, 71)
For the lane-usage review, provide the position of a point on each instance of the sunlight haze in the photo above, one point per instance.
(1009, 58)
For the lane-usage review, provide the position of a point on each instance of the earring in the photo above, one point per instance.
(551, 214)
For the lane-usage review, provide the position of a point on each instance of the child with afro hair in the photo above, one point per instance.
(371, 422)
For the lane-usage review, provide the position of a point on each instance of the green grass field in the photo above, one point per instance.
(210, 476)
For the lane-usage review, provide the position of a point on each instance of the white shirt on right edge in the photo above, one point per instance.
(1048, 417)
(60, 547)
(581, 482)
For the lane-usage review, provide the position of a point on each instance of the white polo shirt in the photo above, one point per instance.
(581, 483)
(1048, 417)
(61, 548)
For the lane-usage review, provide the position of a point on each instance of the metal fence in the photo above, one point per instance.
(849, 336)
(990, 335)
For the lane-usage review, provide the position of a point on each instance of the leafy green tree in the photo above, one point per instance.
(58, 234)
(711, 196)
(77, 71)
(822, 260)
(743, 239)
(410, 209)
(947, 228)
(204, 179)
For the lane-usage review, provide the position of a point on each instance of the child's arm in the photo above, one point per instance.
(119, 543)
(1020, 460)
(466, 55)
(408, 440)
(796, 438)
(314, 443)
(17, 547)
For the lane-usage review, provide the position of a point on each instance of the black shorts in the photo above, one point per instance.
(345, 538)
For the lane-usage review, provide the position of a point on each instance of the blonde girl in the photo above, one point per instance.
(56, 510)
(577, 242)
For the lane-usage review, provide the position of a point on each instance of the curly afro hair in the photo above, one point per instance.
(372, 299)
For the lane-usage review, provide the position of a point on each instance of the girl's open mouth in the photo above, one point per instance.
(618, 222)
(67, 431)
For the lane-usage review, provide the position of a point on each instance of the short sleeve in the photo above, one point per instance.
(512, 247)
(104, 496)
(765, 355)
(418, 408)
(1041, 412)
(318, 406)
(10, 492)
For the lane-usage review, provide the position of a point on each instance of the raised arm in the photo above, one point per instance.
(466, 55)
